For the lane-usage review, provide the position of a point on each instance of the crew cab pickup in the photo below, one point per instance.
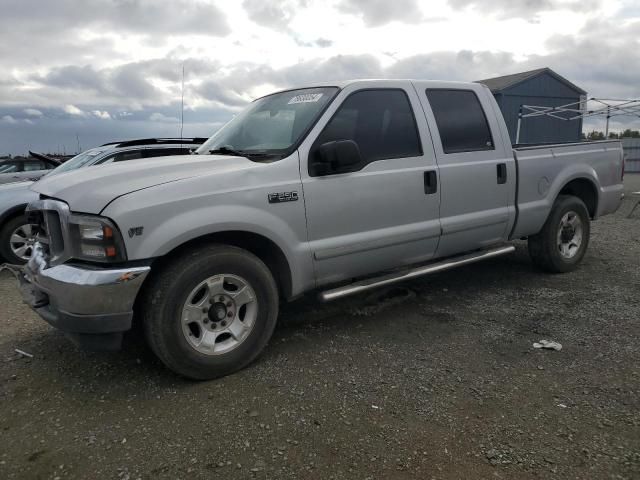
(334, 189)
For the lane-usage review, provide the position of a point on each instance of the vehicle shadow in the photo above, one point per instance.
(437, 300)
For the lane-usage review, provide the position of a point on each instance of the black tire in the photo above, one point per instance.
(543, 247)
(5, 234)
(169, 289)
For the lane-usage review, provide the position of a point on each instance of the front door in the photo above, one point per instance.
(382, 212)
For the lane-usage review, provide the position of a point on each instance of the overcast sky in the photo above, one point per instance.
(103, 70)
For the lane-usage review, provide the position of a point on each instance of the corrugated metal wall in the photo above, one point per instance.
(631, 148)
(543, 90)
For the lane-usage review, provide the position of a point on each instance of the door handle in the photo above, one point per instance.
(430, 182)
(501, 170)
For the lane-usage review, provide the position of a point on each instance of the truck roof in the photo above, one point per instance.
(390, 81)
(346, 83)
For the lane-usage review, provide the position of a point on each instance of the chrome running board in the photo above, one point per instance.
(395, 277)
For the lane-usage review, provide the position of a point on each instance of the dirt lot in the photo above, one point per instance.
(436, 379)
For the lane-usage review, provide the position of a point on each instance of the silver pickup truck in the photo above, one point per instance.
(335, 189)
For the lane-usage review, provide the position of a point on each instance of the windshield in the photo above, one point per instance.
(270, 125)
(81, 160)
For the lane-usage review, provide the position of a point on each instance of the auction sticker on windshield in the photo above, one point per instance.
(305, 98)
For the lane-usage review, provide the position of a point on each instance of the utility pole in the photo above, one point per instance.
(182, 104)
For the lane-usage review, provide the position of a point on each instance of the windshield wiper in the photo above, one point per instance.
(240, 153)
(227, 151)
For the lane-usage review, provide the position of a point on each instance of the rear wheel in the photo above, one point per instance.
(562, 243)
(16, 240)
(211, 312)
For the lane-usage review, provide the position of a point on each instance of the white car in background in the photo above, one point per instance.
(16, 240)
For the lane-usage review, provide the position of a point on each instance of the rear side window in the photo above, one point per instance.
(461, 120)
(33, 166)
(128, 155)
(381, 122)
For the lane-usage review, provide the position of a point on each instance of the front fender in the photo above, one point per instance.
(168, 225)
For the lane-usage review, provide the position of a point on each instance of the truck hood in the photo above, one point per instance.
(90, 189)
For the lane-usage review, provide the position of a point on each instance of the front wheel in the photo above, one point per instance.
(562, 243)
(210, 312)
(16, 240)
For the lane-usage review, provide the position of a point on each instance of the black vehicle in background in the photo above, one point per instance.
(19, 169)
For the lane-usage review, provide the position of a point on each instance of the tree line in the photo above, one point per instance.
(597, 135)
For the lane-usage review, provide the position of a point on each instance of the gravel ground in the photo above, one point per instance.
(433, 379)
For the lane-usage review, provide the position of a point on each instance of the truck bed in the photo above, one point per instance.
(544, 170)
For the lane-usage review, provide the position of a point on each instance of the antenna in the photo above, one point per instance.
(78, 140)
(182, 104)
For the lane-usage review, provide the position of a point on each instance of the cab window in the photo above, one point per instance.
(461, 121)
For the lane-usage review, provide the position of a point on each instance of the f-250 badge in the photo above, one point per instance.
(281, 197)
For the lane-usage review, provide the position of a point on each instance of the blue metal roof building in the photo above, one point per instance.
(541, 87)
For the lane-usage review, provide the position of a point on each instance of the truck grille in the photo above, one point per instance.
(49, 218)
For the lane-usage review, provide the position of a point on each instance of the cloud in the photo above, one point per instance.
(465, 65)
(76, 77)
(317, 43)
(159, 117)
(138, 16)
(378, 12)
(33, 112)
(527, 9)
(103, 114)
(40, 34)
(274, 14)
(323, 42)
(8, 119)
(122, 81)
(73, 110)
(223, 92)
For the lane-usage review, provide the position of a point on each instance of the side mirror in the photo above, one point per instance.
(337, 156)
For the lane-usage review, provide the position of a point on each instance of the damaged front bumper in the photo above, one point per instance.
(93, 306)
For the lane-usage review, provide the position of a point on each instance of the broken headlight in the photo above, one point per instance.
(95, 239)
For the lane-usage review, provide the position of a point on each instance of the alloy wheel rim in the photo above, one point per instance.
(21, 241)
(570, 235)
(219, 314)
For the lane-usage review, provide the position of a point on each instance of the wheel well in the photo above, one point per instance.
(12, 213)
(262, 247)
(586, 191)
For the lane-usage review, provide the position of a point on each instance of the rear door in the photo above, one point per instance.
(379, 214)
(477, 172)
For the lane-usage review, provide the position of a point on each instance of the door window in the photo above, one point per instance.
(380, 122)
(461, 120)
